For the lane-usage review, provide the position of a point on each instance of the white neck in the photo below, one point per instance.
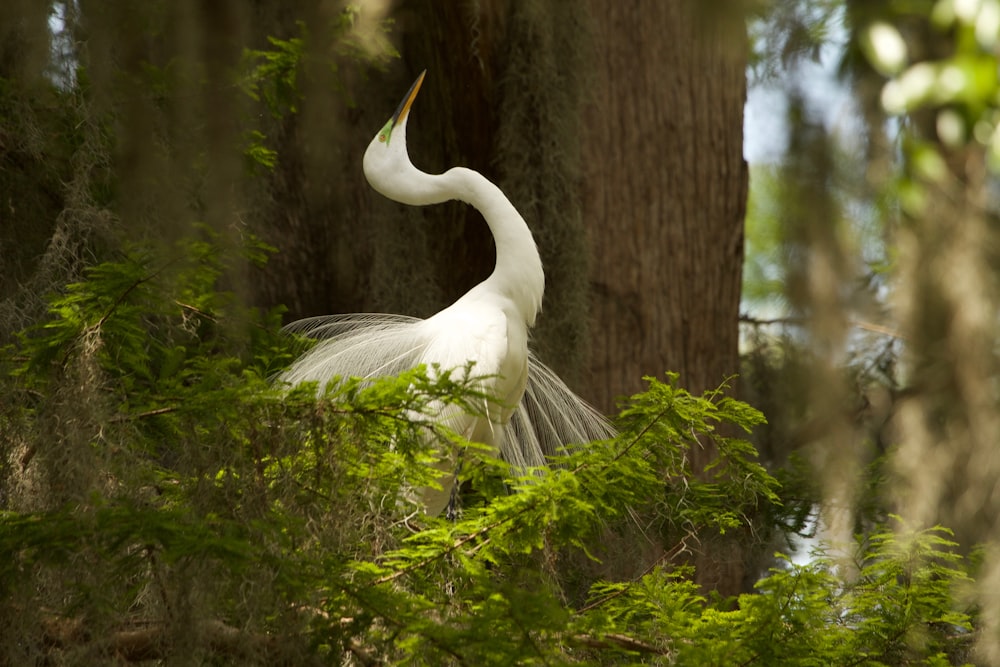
(518, 274)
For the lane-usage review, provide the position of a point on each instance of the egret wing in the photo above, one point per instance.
(548, 417)
(380, 345)
(357, 345)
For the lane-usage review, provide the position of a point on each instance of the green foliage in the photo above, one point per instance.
(875, 364)
(666, 424)
(273, 75)
(784, 32)
(163, 499)
(812, 614)
(763, 274)
(148, 321)
(952, 89)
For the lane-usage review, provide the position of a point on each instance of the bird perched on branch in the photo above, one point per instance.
(530, 413)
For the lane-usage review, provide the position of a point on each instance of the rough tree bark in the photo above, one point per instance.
(664, 201)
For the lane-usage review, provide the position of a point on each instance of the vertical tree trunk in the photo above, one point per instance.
(664, 202)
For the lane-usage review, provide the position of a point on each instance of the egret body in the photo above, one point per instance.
(531, 412)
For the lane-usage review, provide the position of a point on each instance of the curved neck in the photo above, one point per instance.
(518, 273)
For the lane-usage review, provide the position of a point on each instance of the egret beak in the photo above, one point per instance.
(404, 106)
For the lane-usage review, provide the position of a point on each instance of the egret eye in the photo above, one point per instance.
(381, 137)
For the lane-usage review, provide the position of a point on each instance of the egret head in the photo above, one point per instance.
(386, 162)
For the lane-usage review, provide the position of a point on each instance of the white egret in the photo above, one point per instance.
(532, 412)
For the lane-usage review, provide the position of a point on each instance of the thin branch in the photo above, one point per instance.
(798, 320)
(142, 415)
(680, 547)
(619, 641)
(123, 295)
(876, 328)
(197, 311)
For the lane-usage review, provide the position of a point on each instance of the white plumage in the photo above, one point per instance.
(532, 412)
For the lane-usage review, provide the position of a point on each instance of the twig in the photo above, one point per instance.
(861, 324)
(676, 549)
(123, 295)
(142, 415)
(618, 641)
(196, 311)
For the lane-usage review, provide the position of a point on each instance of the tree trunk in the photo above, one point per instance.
(664, 201)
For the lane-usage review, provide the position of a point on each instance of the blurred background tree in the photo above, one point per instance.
(879, 218)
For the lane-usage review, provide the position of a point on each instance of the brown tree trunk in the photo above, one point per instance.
(664, 201)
